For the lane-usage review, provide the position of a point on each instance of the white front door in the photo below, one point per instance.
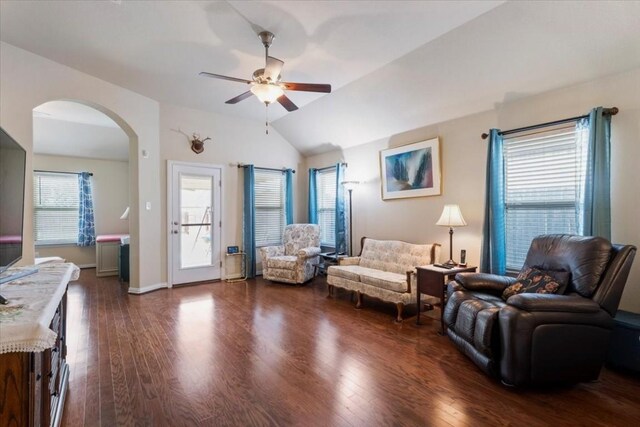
(194, 222)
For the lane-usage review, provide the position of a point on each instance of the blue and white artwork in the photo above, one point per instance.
(411, 171)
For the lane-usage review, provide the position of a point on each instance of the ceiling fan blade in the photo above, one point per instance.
(220, 76)
(307, 87)
(239, 97)
(272, 68)
(287, 103)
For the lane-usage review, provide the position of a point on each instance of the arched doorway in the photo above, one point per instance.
(76, 133)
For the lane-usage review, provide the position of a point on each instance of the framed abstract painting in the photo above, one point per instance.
(411, 170)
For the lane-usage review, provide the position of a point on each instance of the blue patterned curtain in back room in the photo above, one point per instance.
(86, 224)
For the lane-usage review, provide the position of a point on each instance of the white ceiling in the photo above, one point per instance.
(394, 66)
(71, 129)
(158, 48)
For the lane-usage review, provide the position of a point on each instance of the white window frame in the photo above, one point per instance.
(279, 206)
(72, 238)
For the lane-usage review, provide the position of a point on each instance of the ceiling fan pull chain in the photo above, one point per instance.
(266, 118)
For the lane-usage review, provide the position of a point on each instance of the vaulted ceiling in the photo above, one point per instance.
(394, 66)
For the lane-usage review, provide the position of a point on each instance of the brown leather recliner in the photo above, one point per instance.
(536, 338)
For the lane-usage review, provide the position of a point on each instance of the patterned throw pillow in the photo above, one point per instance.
(534, 280)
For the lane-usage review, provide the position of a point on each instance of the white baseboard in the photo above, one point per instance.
(86, 266)
(148, 288)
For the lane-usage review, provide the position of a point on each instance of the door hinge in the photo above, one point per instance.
(220, 224)
(220, 183)
(220, 263)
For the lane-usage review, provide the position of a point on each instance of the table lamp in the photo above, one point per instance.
(451, 217)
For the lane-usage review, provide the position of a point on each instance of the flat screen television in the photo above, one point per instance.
(12, 176)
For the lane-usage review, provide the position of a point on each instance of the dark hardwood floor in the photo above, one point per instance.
(255, 353)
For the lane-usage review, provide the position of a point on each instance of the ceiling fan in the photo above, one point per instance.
(266, 84)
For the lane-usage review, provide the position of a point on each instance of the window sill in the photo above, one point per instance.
(54, 245)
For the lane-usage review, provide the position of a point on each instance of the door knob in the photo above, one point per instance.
(175, 222)
(175, 231)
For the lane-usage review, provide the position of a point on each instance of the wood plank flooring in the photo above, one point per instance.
(256, 353)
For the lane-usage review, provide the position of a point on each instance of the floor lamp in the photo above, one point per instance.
(349, 186)
(451, 217)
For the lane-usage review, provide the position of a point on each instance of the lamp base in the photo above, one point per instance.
(450, 263)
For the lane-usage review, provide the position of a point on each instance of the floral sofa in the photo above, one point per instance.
(292, 262)
(385, 269)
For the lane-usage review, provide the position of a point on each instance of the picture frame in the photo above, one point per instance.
(233, 249)
(411, 170)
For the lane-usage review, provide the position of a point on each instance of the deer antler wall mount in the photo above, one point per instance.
(197, 144)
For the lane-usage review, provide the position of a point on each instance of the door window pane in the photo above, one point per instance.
(196, 231)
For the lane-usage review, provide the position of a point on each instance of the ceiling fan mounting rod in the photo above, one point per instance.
(266, 37)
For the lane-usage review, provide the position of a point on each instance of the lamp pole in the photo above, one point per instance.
(349, 186)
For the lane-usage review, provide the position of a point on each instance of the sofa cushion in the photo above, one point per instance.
(283, 261)
(349, 272)
(384, 279)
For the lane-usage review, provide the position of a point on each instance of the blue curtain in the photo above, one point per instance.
(313, 196)
(596, 198)
(289, 195)
(493, 258)
(86, 223)
(249, 220)
(341, 220)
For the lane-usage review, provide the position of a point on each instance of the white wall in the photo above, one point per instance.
(110, 198)
(28, 80)
(464, 162)
(235, 140)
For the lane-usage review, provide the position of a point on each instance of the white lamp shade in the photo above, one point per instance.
(125, 214)
(350, 185)
(267, 93)
(451, 217)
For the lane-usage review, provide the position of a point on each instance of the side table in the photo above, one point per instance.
(243, 266)
(432, 281)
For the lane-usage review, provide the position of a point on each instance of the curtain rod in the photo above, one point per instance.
(240, 165)
(329, 167)
(69, 173)
(611, 111)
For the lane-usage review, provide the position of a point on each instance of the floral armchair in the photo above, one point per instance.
(292, 262)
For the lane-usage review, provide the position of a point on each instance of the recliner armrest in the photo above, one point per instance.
(553, 302)
(269, 251)
(309, 252)
(484, 281)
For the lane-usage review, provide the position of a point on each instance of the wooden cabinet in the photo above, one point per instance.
(33, 385)
(107, 258)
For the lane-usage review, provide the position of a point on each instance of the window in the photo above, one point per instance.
(270, 207)
(55, 205)
(544, 172)
(326, 205)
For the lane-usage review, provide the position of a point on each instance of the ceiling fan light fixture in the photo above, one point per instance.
(267, 92)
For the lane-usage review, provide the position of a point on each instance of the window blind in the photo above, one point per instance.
(270, 207)
(544, 173)
(55, 205)
(326, 190)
